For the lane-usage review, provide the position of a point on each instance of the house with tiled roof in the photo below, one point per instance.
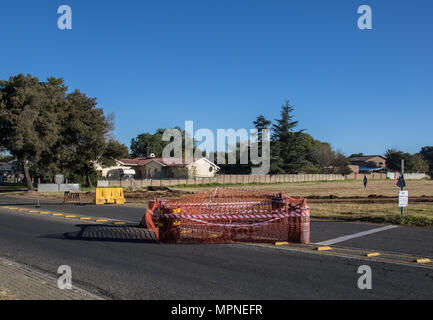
(159, 168)
(366, 164)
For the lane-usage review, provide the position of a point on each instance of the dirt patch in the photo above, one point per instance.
(373, 198)
(152, 193)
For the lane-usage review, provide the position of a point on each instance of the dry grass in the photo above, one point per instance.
(322, 209)
(417, 214)
(4, 295)
(417, 188)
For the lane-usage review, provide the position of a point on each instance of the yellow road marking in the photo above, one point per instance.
(85, 218)
(323, 248)
(281, 243)
(58, 215)
(44, 212)
(119, 223)
(70, 216)
(422, 261)
(33, 211)
(373, 254)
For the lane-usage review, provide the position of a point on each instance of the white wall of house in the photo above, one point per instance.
(153, 170)
(202, 168)
(105, 171)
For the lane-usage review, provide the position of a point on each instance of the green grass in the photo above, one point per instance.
(396, 219)
(12, 188)
(87, 189)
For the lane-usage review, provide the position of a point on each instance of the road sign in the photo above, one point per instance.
(403, 199)
(60, 178)
(401, 183)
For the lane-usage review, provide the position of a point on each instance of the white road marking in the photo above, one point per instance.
(313, 252)
(353, 236)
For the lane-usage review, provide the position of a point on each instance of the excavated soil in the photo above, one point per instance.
(153, 193)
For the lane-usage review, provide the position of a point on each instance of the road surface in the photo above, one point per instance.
(120, 262)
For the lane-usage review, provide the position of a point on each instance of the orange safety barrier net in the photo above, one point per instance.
(226, 215)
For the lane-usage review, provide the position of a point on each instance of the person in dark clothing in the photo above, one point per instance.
(365, 182)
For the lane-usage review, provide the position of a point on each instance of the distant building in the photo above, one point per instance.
(365, 164)
(118, 171)
(355, 169)
(6, 168)
(8, 173)
(157, 168)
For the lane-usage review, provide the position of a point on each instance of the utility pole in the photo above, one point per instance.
(39, 203)
(402, 186)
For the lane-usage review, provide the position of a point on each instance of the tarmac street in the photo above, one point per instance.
(125, 262)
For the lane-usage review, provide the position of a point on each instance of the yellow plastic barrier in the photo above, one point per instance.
(110, 196)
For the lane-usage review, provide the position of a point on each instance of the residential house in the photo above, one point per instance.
(114, 172)
(157, 168)
(367, 164)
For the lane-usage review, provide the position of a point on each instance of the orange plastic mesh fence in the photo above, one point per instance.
(225, 215)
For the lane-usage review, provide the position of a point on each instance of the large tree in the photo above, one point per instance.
(261, 123)
(145, 144)
(83, 137)
(394, 158)
(114, 150)
(288, 147)
(427, 154)
(323, 156)
(28, 121)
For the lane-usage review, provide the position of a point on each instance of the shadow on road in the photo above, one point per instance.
(109, 233)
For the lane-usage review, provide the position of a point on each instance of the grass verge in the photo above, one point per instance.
(12, 188)
(418, 214)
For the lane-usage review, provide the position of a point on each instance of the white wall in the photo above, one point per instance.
(202, 169)
(407, 176)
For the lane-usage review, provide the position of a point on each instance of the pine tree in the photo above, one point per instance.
(261, 124)
(288, 150)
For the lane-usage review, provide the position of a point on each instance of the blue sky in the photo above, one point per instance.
(156, 64)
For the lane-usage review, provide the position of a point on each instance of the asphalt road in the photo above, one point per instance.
(109, 211)
(123, 263)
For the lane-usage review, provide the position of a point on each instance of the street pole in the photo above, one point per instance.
(39, 204)
(402, 187)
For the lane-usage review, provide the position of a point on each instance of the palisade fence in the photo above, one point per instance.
(238, 179)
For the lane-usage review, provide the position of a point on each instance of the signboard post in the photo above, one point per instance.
(39, 203)
(403, 198)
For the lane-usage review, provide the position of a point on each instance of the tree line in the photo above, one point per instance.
(50, 131)
(421, 162)
(292, 151)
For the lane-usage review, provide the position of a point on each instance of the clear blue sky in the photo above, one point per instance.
(221, 63)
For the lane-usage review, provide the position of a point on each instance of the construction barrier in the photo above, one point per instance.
(226, 215)
(77, 197)
(109, 196)
(72, 197)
